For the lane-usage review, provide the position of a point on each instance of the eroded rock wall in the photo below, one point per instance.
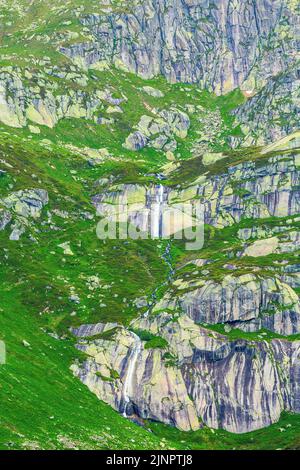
(217, 44)
(199, 377)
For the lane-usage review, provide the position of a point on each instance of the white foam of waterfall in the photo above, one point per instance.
(156, 212)
(129, 378)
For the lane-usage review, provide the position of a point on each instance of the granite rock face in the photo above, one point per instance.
(273, 112)
(245, 190)
(220, 45)
(199, 376)
(249, 302)
(223, 45)
(248, 190)
(145, 208)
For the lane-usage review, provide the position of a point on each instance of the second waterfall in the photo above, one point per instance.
(131, 372)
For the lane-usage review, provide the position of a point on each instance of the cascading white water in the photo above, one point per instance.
(128, 383)
(157, 203)
(157, 211)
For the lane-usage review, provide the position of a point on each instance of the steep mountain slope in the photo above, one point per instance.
(166, 101)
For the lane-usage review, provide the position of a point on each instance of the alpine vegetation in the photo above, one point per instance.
(149, 224)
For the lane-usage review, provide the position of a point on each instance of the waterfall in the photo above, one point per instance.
(128, 383)
(156, 203)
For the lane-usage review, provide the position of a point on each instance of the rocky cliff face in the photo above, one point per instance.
(196, 377)
(220, 45)
(248, 302)
(159, 131)
(250, 190)
(246, 190)
(274, 111)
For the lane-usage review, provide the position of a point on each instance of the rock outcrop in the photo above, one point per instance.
(22, 208)
(27, 203)
(248, 190)
(221, 46)
(170, 364)
(43, 103)
(159, 131)
(145, 208)
(5, 218)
